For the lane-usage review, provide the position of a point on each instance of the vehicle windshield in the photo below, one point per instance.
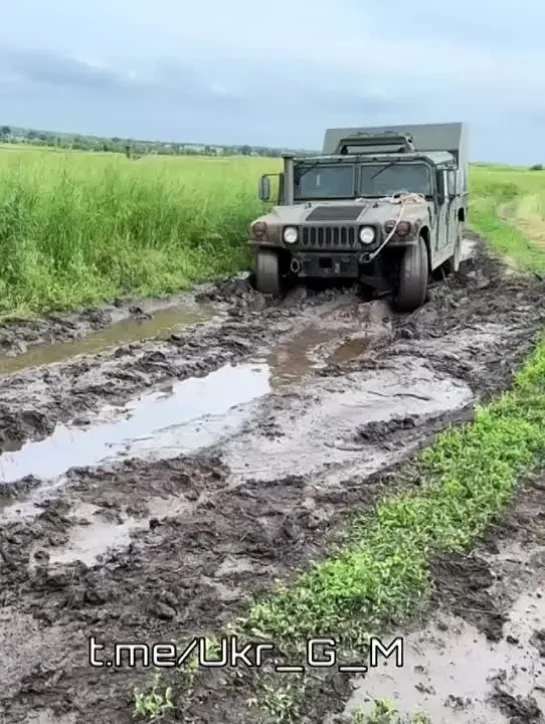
(388, 179)
(324, 182)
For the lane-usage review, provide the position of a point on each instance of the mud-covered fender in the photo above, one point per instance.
(425, 233)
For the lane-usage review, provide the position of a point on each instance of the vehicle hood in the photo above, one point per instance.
(364, 211)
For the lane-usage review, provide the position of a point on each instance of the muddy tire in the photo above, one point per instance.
(267, 273)
(413, 278)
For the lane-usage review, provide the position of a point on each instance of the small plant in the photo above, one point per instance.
(191, 665)
(385, 712)
(154, 703)
(281, 705)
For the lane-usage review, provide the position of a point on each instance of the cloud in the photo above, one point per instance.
(244, 72)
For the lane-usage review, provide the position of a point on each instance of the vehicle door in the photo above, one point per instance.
(452, 202)
(441, 229)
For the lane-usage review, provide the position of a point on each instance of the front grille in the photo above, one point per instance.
(328, 237)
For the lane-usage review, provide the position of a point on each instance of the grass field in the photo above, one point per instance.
(76, 228)
(79, 228)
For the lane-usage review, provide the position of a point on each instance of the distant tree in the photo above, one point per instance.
(537, 167)
(245, 150)
(5, 131)
(31, 135)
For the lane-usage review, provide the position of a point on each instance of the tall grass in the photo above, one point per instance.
(78, 228)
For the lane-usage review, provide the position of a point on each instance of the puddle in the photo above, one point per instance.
(164, 322)
(95, 535)
(351, 349)
(328, 414)
(314, 348)
(192, 414)
(291, 360)
(450, 669)
(195, 413)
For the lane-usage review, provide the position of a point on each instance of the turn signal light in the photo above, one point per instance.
(259, 229)
(402, 229)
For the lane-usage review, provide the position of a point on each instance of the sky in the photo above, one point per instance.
(277, 74)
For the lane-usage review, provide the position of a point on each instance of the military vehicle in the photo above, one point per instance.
(385, 207)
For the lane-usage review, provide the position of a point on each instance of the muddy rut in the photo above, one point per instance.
(147, 489)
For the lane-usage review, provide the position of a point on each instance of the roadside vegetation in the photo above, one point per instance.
(77, 228)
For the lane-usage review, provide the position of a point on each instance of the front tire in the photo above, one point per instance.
(413, 277)
(267, 273)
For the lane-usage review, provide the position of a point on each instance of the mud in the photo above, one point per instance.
(150, 489)
(123, 321)
(481, 658)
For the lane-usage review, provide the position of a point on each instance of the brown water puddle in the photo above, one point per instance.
(451, 670)
(94, 534)
(193, 413)
(189, 415)
(328, 414)
(312, 348)
(163, 323)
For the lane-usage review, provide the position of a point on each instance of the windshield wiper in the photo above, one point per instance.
(384, 168)
(301, 171)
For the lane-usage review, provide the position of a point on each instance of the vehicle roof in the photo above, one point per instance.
(436, 157)
(427, 137)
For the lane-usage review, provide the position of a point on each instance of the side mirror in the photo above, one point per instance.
(264, 188)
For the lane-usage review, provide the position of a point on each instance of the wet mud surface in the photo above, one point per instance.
(481, 659)
(146, 491)
(126, 319)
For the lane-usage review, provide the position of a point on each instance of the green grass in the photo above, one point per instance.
(508, 209)
(78, 228)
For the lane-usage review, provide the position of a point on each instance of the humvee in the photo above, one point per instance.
(385, 207)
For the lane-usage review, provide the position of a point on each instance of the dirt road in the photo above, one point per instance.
(149, 489)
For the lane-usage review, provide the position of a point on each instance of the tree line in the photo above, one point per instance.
(130, 147)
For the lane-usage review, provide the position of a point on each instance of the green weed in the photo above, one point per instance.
(153, 703)
(78, 228)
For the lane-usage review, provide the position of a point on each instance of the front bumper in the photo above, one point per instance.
(328, 265)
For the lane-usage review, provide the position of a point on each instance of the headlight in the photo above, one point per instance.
(367, 235)
(290, 235)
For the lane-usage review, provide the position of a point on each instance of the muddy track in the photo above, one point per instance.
(153, 518)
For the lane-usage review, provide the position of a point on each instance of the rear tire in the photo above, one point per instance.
(413, 278)
(267, 273)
